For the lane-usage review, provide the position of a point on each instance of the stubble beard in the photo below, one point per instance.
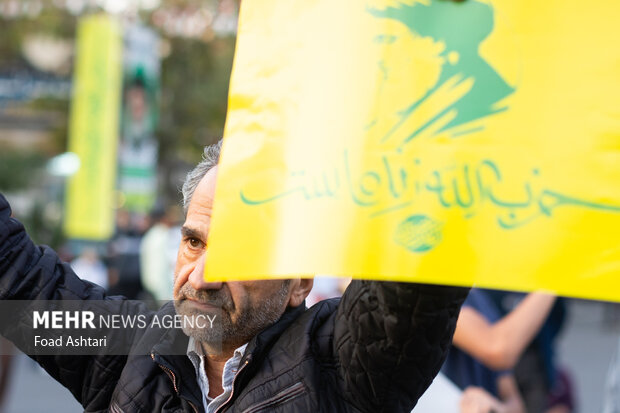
(224, 334)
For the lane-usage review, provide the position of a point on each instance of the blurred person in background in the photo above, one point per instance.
(543, 384)
(156, 260)
(124, 257)
(89, 267)
(611, 397)
(487, 346)
(326, 287)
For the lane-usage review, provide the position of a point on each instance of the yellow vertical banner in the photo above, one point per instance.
(424, 140)
(94, 128)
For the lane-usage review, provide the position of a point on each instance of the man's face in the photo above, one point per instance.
(242, 309)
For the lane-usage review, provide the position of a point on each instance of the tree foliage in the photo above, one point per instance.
(194, 88)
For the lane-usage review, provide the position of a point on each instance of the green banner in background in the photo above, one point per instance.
(93, 129)
(137, 163)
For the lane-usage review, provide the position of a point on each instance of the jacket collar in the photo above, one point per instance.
(169, 354)
(259, 346)
(182, 369)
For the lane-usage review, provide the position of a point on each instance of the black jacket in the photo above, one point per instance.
(375, 350)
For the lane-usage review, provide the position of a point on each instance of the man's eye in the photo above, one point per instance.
(194, 243)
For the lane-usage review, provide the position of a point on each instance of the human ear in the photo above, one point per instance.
(300, 289)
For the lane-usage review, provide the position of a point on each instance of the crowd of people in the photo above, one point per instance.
(503, 355)
(269, 352)
(503, 352)
(377, 348)
(138, 261)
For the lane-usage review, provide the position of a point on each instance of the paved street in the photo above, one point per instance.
(586, 347)
(32, 390)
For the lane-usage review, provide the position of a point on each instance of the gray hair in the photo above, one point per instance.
(210, 158)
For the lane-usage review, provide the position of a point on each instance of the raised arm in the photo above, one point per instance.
(391, 340)
(29, 272)
(500, 345)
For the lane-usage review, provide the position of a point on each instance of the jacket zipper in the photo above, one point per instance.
(232, 389)
(283, 396)
(172, 377)
(170, 374)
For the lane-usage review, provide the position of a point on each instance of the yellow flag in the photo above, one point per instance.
(94, 128)
(428, 141)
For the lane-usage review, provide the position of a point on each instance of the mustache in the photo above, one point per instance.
(220, 298)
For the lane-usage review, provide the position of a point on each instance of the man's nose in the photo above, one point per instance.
(197, 277)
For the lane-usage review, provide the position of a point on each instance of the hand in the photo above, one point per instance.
(478, 400)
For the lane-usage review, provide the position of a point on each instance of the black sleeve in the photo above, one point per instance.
(391, 339)
(30, 272)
